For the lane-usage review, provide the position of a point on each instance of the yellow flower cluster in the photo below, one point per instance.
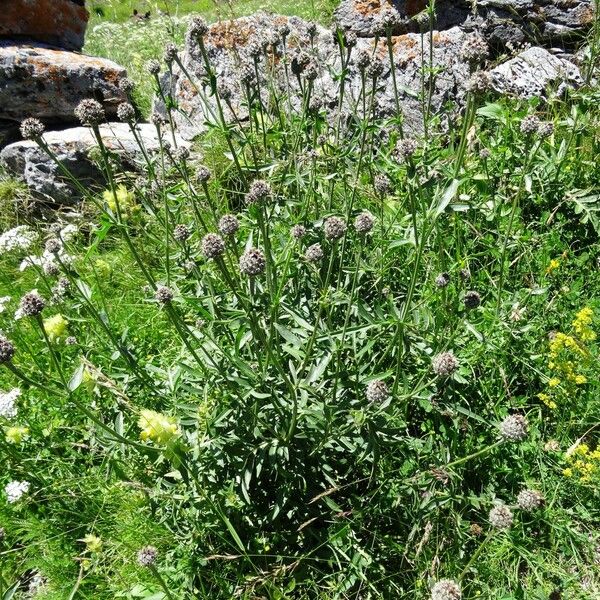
(583, 463)
(15, 435)
(124, 199)
(55, 326)
(157, 427)
(569, 356)
(554, 264)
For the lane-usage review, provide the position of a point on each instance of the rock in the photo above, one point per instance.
(502, 22)
(59, 23)
(48, 83)
(9, 132)
(227, 46)
(533, 72)
(72, 147)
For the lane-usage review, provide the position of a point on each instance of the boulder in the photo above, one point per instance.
(227, 44)
(59, 23)
(533, 73)
(48, 83)
(72, 147)
(502, 22)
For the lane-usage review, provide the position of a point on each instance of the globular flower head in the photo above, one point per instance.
(126, 85)
(93, 543)
(529, 500)
(203, 174)
(53, 245)
(446, 589)
(224, 90)
(474, 49)
(514, 428)
(442, 280)
(382, 184)
(198, 27)
(32, 129)
(213, 245)
(479, 82)
(8, 403)
(350, 39)
(472, 299)
(170, 54)
(314, 253)
(501, 517)
(387, 19)
(444, 364)
(147, 556)
(32, 304)
(334, 228)
(181, 232)
(298, 232)
(163, 295)
(530, 125)
(153, 67)
(55, 326)
(405, 148)
(228, 225)
(15, 490)
(546, 129)
(15, 435)
(90, 112)
(7, 350)
(259, 191)
(376, 68)
(126, 112)
(364, 223)
(157, 427)
(252, 262)
(159, 121)
(377, 391)
(363, 59)
(181, 154)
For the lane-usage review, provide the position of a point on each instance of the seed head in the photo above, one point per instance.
(259, 191)
(147, 556)
(446, 589)
(546, 129)
(7, 350)
(405, 148)
(514, 428)
(442, 280)
(311, 29)
(252, 262)
(311, 72)
(203, 174)
(363, 59)
(126, 85)
(32, 129)
(334, 228)
(382, 185)
(126, 112)
(181, 154)
(90, 112)
(181, 232)
(529, 500)
(472, 299)
(479, 82)
(300, 60)
(376, 68)
(444, 364)
(213, 245)
(386, 20)
(163, 295)
(159, 121)
(224, 90)
(53, 245)
(364, 223)
(284, 30)
(198, 27)
(170, 54)
(377, 391)
(350, 39)
(32, 304)
(228, 225)
(153, 67)
(298, 231)
(530, 125)
(501, 517)
(314, 253)
(475, 49)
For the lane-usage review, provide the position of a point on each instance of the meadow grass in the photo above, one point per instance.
(328, 396)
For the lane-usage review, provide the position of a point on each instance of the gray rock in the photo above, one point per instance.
(72, 147)
(227, 46)
(48, 83)
(533, 73)
(61, 23)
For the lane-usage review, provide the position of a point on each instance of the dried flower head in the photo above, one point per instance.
(213, 245)
(363, 59)
(350, 39)
(387, 20)
(364, 223)
(283, 30)
(228, 225)
(32, 129)
(298, 231)
(405, 148)
(529, 500)
(181, 232)
(181, 154)
(376, 68)
(224, 90)
(126, 112)
(382, 184)
(163, 295)
(198, 28)
(147, 556)
(479, 82)
(530, 125)
(153, 67)
(259, 191)
(514, 428)
(501, 517)
(444, 364)
(334, 228)
(159, 121)
(446, 589)
(300, 60)
(472, 299)
(377, 391)
(474, 49)
(314, 253)
(126, 85)
(7, 350)
(252, 262)
(170, 54)
(203, 174)
(90, 112)
(442, 280)
(32, 304)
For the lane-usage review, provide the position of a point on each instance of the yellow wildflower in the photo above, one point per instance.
(580, 379)
(92, 543)
(582, 325)
(554, 382)
(55, 326)
(568, 472)
(124, 199)
(554, 264)
(15, 435)
(157, 427)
